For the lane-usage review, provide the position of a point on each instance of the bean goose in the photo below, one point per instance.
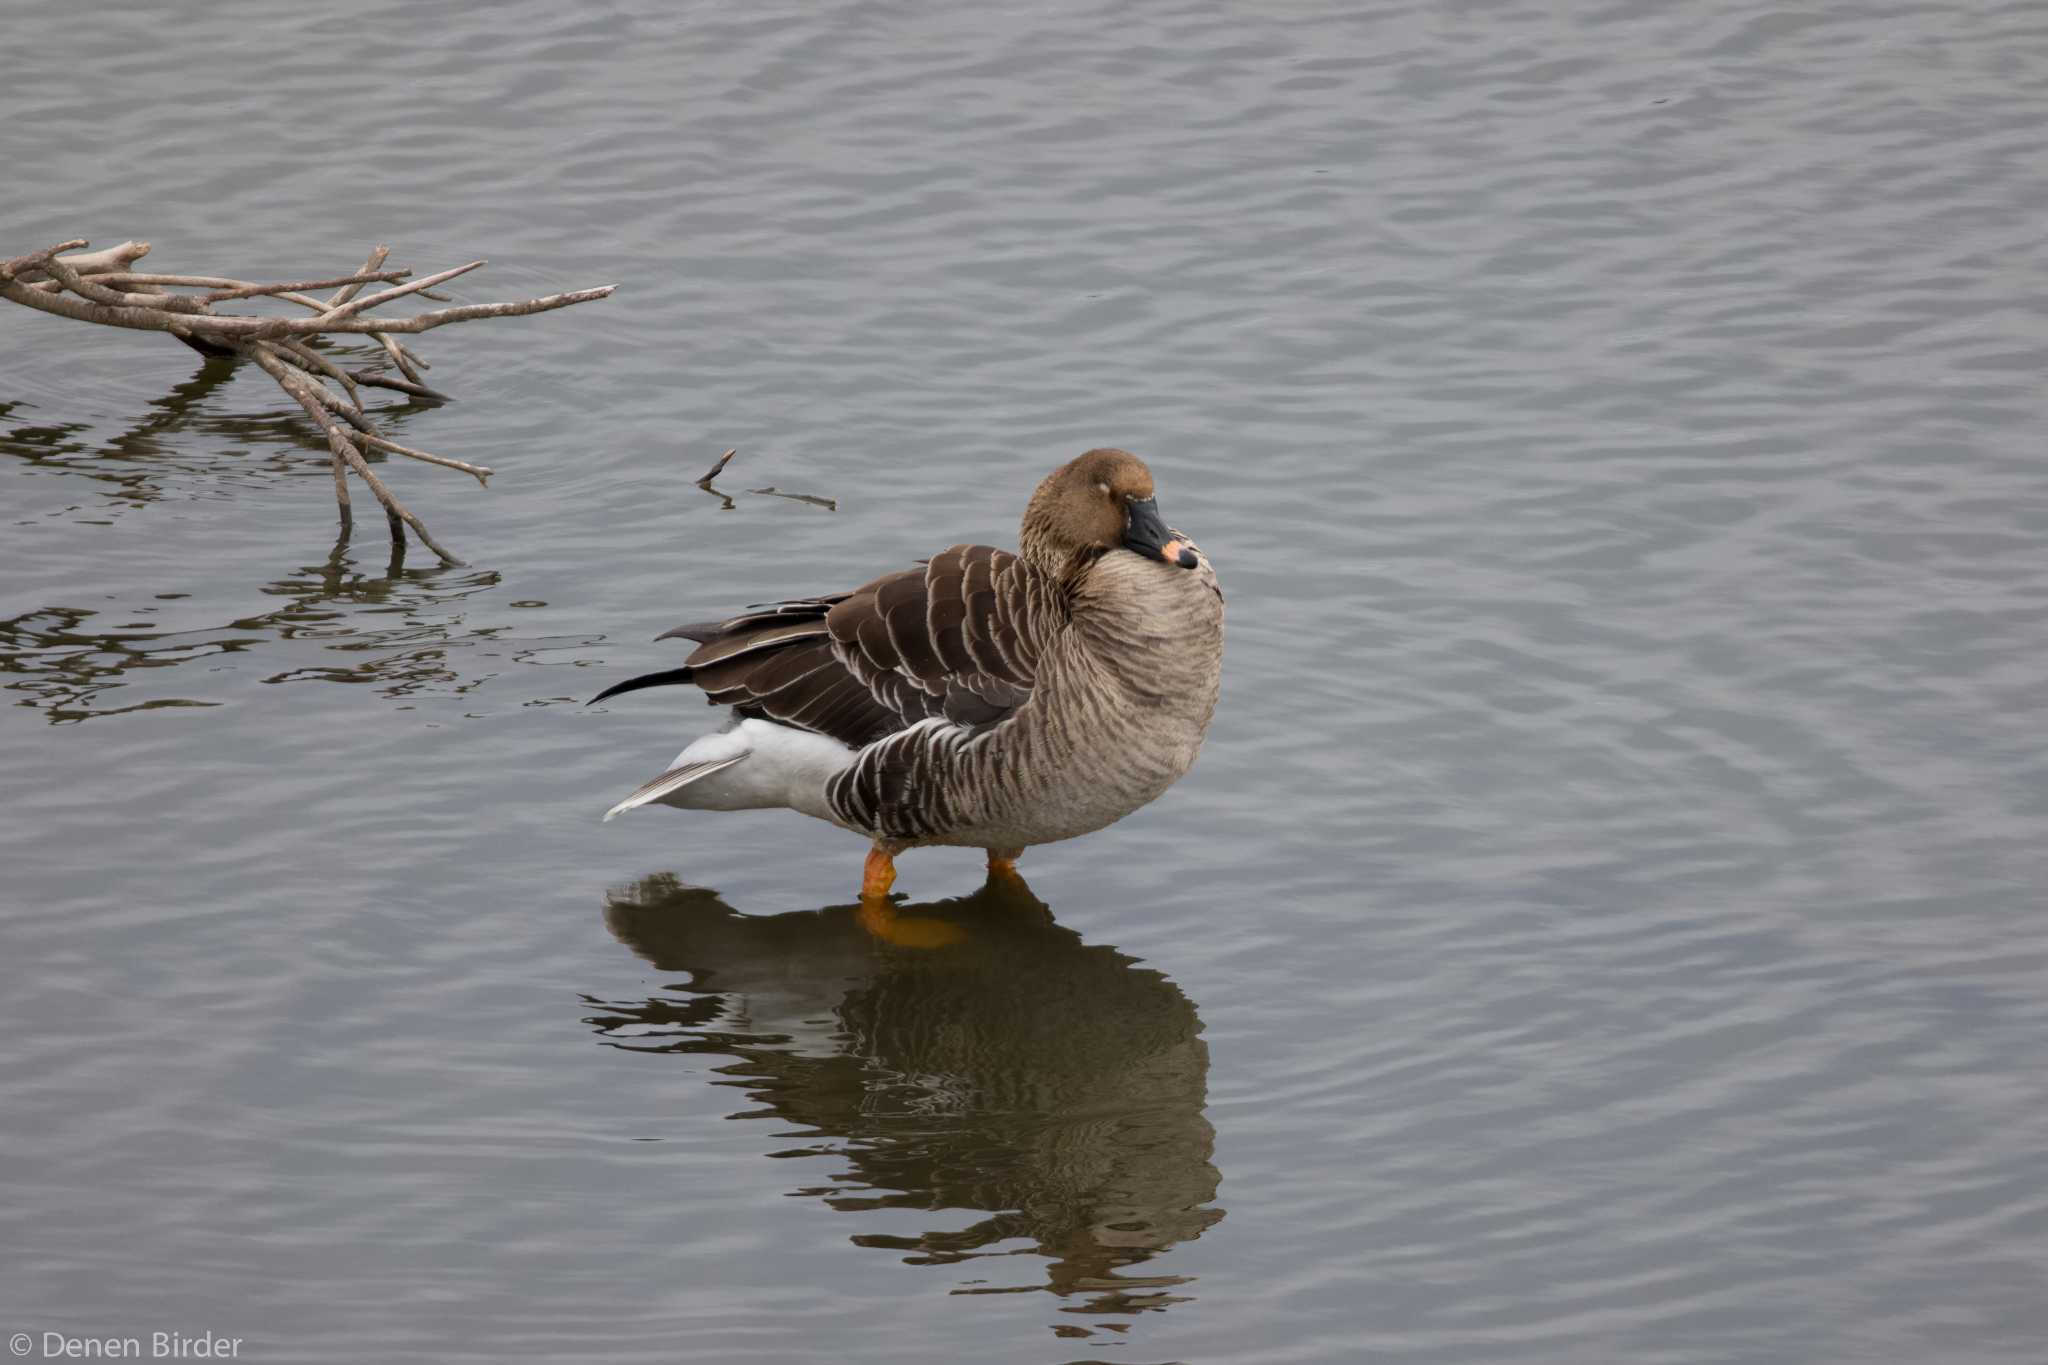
(988, 700)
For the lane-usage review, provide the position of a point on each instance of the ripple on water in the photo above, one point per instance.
(1601, 923)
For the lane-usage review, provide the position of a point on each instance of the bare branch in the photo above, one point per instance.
(375, 261)
(829, 504)
(306, 358)
(348, 310)
(352, 413)
(338, 440)
(99, 293)
(203, 282)
(402, 358)
(334, 402)
(377, 379)
(228, 289)
(298, 354)
(108, 259)
(83, 310)
(28, 266)
(105, 261)
(148, 317)
(482, 473)
(250, 291)
(101, 287)
(426, 322)
(128, 277)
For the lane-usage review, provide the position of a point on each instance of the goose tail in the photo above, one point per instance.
(673, 781)
(673, 677)
(750, 765)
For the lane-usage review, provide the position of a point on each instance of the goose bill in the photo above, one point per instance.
(1149, 536)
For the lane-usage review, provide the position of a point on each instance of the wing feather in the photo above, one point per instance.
(956, 639)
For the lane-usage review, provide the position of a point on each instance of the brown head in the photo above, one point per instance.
(1102, 501)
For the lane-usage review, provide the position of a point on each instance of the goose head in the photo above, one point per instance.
(1098, 503)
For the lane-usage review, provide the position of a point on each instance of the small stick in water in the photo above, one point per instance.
(717, 469)
(771, 491)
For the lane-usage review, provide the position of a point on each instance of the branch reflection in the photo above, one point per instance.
(182, 439)
(400, 630)
(1052, 1086)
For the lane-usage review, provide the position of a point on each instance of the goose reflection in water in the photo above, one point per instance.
(968, 1054)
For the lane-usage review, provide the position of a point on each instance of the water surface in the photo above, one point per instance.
(1604, 923)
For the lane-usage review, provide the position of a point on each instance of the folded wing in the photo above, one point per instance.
(957, 638)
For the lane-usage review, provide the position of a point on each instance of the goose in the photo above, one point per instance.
(986, 699)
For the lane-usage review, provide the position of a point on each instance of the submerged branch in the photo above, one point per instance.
(100, 287)
(317, 405)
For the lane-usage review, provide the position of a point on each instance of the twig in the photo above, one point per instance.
(348, 310)
(250, 291)
(375, 261)
(287, 295)
(400, 357)
(29, 267)
(829, 504)
(482, 473)
(377, 379)
(227, 289)
(717, 469)
(338, 440)
(426, 322)
(305, 357)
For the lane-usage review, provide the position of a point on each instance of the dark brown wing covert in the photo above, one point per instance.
(952, 639)
(955, 638)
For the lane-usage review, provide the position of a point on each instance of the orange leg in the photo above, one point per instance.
(1002, 862)
(878, 875)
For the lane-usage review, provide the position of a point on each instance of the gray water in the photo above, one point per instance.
(1605, 921)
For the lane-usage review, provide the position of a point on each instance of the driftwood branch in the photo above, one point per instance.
(101, 287)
